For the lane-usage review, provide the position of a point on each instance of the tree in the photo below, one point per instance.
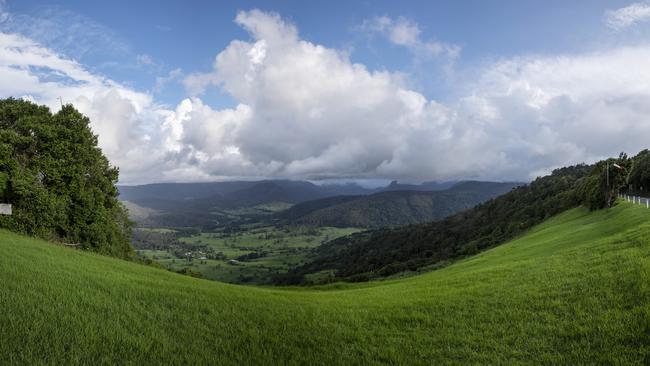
(638, 179)
(59, 182)
(599, 189)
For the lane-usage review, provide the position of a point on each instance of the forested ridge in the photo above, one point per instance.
(387, 251)
(392, 208)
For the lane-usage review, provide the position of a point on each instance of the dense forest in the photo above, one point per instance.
(59, 183)
(387, 251)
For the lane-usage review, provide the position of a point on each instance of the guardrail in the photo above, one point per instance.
(643, 201)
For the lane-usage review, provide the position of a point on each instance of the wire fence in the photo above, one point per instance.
(643, 201)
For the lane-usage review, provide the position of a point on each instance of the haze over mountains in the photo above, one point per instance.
(236, 193)
(343, 205)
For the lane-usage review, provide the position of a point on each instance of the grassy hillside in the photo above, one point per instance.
(574, 290)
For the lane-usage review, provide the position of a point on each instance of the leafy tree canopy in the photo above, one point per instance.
(60, 184)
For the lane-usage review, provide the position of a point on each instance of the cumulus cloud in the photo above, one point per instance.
(406, 33)
(308, 103)
(312, 112)
(304, 110)
(628, 16)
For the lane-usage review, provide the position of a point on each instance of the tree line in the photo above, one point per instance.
(387, 251)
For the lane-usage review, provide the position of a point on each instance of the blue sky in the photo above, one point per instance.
(186, 36)
(470, 78)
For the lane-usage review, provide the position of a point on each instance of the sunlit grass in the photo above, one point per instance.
(575, 290)
(283, 249)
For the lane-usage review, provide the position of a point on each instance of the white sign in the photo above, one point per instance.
(5, 209)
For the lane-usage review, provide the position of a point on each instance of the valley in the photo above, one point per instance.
(258, 232)
(253, 255)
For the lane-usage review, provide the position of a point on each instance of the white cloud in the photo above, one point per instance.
(406, 33)
(162, 81)
(305, 111)
(125, 120)
(145, 60)
(628, 16)
(315, 113)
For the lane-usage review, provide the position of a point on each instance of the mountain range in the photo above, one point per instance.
(210, 204)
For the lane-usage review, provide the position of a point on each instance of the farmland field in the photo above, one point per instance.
(272, 250)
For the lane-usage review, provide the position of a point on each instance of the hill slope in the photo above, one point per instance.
(386, 251)
(574, 290)
(392, 208)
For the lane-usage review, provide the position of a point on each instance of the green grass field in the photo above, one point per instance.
(262, 209)
(284, 250)
(157, 229)
(575, 290)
